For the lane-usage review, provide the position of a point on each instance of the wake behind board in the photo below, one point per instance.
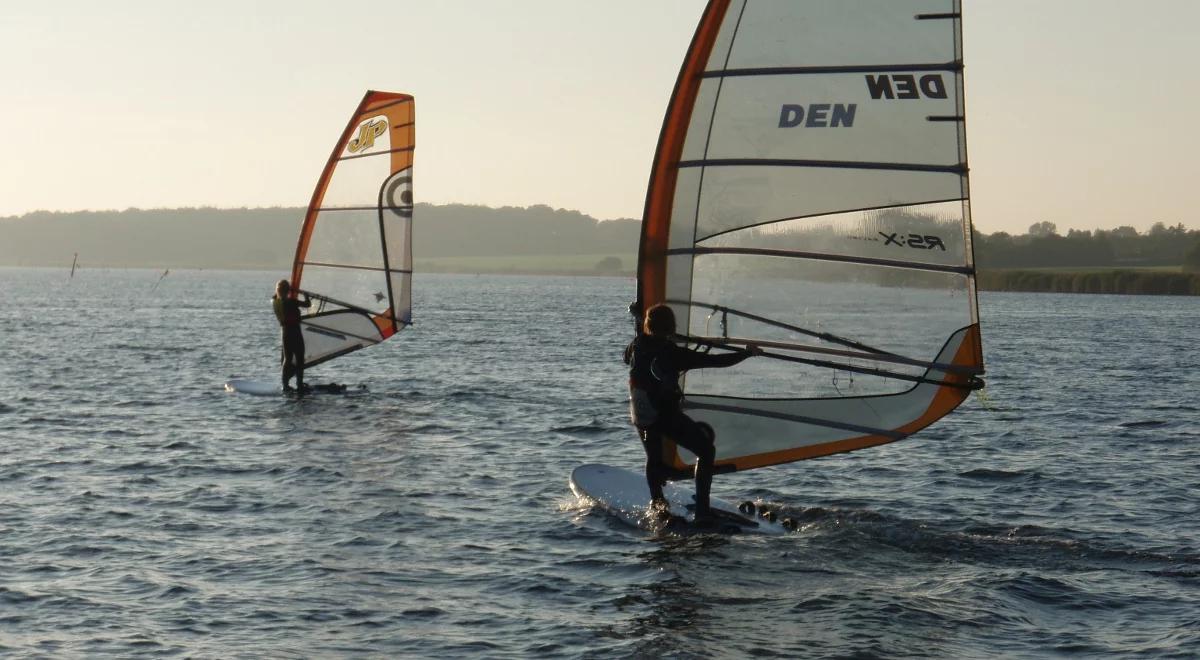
(254, 387)
(625, 495)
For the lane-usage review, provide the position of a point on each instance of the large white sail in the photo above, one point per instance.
(809, 195)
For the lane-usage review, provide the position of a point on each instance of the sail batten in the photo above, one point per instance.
(375, 106)
(843, 164)
(381, 270)
(809, 193)
(827, 423)
(825, 336)
(795, 254)
(378, 153)
(700, 238)
(818, 70)
(743, 342)
(354, 256)
(386, 207)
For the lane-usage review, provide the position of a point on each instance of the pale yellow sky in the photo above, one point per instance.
(1079, 112)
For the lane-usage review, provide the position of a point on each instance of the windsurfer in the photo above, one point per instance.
(287, 310)
(655, 364)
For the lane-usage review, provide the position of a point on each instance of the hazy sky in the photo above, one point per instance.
(1079, 112)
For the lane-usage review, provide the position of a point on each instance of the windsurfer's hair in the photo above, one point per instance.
(660, 321)
(281, 288)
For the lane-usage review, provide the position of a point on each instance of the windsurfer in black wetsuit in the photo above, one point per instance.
(287, 310)
(655, 364)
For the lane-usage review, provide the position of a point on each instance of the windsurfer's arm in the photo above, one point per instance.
(690, 359)
(306, 303)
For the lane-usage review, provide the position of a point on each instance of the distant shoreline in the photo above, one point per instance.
(531, 272)
(540, 240)
(1142, 282)
(1152, 282)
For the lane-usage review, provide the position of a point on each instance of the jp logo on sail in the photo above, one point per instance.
(366, 135)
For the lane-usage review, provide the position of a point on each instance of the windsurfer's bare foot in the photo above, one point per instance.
(660, 512)
(660, 508)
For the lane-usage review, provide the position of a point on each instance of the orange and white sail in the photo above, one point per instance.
(354, 256)
(809, 195)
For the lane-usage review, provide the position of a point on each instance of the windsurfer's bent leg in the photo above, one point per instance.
(692, 436)
(285, 361)
(299, 361)
(293, 359)
(300, 373)
(655, 470)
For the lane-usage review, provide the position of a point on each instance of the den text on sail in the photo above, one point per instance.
(880, 87)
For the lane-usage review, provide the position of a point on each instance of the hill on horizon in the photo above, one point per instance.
(476, 238)
(265, 238)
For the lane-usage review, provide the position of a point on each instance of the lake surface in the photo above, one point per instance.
(146, 512)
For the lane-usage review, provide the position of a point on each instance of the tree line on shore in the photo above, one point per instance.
(1141, 282)
(1120, 260)
(266, 238)
(1124, 247)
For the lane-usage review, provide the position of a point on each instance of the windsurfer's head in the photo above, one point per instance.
(660, 321)
(282, 287)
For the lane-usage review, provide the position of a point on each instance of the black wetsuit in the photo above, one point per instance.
(655, 365)
(288, 312)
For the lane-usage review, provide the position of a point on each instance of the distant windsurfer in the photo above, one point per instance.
(287, 310)
(656, 362)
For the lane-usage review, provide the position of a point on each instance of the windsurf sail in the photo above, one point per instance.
(809, 196)
(161, 278)
(354, 256)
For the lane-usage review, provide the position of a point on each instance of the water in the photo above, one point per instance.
(146, 512)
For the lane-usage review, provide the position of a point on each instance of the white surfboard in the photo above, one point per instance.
(255, 387)
(274, 388)
(626, 495)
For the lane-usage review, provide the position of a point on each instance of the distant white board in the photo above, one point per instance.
(626, 495)
(275, 388)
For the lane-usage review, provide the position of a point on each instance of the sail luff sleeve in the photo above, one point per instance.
(314, 204)
(656, 218)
